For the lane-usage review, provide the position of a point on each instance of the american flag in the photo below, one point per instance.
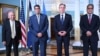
(23, 28)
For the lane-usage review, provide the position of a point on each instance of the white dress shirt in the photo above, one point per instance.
(13, 31)
(38, 18)
(63, 16)
(90, 16)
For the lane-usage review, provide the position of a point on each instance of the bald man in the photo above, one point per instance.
(11, 34)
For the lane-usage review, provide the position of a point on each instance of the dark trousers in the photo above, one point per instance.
(61, 40)
(93, 47)
(42, 44)
(15, 48)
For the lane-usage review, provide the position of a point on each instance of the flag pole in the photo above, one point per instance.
(20, 42)
(25, 17)
(26, 21)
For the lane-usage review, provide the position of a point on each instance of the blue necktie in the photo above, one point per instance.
(62, 19)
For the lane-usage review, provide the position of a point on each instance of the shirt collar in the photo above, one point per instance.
(37, 14)
(12, 20)
(62, 14)
(89, 15)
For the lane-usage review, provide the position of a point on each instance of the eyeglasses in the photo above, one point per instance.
(36, 8)
(89, 8)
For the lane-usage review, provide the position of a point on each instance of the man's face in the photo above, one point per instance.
(37, 10)
(11, 15)
(89, 9)
(61, 8)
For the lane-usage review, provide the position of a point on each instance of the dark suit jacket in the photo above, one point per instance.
(35, 28)
(93, 27)
(66, 26)
(6, 31)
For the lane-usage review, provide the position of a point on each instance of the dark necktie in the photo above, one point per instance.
(62, 19)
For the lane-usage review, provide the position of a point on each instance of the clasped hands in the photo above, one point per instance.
(89, 33)
(39, 35)
(62, 33)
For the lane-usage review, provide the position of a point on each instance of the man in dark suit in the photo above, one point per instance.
(38, 25)
(89, 25)
(62, 27)
(11, 33)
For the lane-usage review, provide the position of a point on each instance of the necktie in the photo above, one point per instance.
(38, 18)
(13, 30)
(62, 19)
(89, 19)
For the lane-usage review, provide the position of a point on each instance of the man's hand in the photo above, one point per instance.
(88, 33)
(62, 33)
(39, 35)
(4, 43)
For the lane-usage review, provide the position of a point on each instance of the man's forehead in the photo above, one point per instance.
(10, 12)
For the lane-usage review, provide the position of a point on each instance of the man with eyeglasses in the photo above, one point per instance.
(38, 25)
(89, 24)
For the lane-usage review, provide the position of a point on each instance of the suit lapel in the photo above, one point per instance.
(35, 18)
(35, 22)
(9, 25)
(41, 19)
(87, 21)
(92, 20)
(16, 25)
(59, 19)
(65, 18)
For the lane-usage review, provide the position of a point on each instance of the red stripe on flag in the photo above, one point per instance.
(23, 27)
(23, 43)
(23, 31)
(24, 36)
